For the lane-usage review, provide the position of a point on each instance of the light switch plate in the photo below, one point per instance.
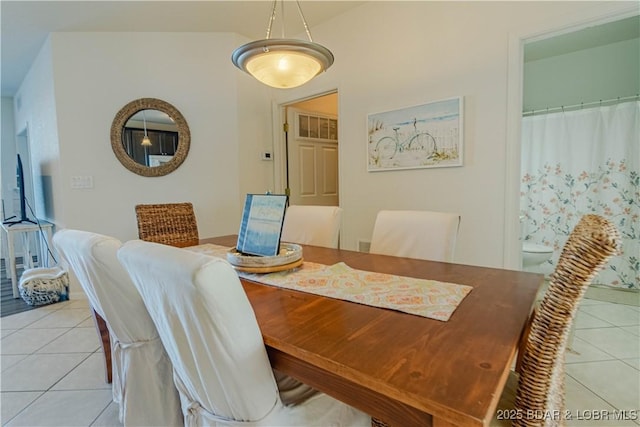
(82, 181)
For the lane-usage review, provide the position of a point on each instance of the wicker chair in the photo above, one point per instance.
(171, 224)
(535, 396)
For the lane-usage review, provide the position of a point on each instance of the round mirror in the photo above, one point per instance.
(150, 137)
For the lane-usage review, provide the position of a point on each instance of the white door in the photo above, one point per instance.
(312, 156)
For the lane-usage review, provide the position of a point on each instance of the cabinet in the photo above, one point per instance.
(163, 143)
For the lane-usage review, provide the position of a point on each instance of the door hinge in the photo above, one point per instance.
(285, 127)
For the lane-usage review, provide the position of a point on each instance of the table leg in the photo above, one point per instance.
(27, 258)
(105, 339)
(12, 264)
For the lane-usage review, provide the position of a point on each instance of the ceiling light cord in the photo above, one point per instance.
(272, 19)
(304, 21)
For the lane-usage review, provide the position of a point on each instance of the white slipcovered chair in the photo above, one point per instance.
(312, 225)
(415, 234)
(142, 372)
(211, 334)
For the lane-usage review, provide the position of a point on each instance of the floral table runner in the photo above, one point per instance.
(422, 297)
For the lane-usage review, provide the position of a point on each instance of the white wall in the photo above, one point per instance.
(96, 74)
(391, 55)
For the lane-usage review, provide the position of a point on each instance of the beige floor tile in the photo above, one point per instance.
(89, 375)
(27, 341)
(582, 351)
(9, 360)
(635, 363)
(14, 402)
(67, 318)
(40, 372)
(55, 306)
(616, 314)
(7, 332)
(20, 320)
(79, 303)
(613, 381)
(109, 417)
(614, 341)
(585, 408)
(635, 330)
(589, 301)
(89, 323)
(76, 340)
(64, 408)
(586, 321)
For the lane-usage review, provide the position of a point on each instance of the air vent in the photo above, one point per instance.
(364, 245)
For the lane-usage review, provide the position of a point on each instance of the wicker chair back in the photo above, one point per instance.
(172, 224)
(540, 389)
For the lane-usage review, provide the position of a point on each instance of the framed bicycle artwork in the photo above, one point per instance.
(424, 136)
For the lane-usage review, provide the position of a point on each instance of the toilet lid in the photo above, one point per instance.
(536, 248)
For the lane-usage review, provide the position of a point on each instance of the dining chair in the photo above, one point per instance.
(534, 394)
(175, 225)
(312, 225)
(211, 334)
(415, 234)
(142, 372)
(170, 224)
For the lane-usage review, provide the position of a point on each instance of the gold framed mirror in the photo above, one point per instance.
(150, 137)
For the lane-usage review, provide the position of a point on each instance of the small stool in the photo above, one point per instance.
(41, 286)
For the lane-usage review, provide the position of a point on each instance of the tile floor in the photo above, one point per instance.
(53, 369)
(53, 375)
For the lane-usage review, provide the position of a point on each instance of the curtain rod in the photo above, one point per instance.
(581, 105)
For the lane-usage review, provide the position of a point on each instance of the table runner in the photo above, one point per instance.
(422, 297)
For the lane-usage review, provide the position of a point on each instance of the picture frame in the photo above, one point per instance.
(423, 136)
(159, 160)
(261, 224)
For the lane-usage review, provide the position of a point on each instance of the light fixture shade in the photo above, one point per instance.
(145, 141)
(282, 63)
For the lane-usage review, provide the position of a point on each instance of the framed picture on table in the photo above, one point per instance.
(261, 224)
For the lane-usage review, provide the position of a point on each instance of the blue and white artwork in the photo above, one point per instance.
(261, 224)
(424, 136)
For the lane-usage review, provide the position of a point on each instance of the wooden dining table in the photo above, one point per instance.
(403, 369)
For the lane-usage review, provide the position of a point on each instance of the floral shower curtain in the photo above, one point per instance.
(580, 162)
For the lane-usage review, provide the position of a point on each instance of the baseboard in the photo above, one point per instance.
(615, 295)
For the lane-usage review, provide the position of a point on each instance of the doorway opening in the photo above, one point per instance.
(538, 45)
(307, 150)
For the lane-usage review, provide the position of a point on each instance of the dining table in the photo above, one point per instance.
(401, 368)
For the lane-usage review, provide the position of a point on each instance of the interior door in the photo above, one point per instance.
(312, 158)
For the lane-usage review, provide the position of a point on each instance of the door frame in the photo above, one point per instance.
(279, 116)
(512, 255)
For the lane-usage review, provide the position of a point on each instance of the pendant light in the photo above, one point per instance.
(283, 63)
(146, 142)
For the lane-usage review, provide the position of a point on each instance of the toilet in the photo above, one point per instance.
(534, 254)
